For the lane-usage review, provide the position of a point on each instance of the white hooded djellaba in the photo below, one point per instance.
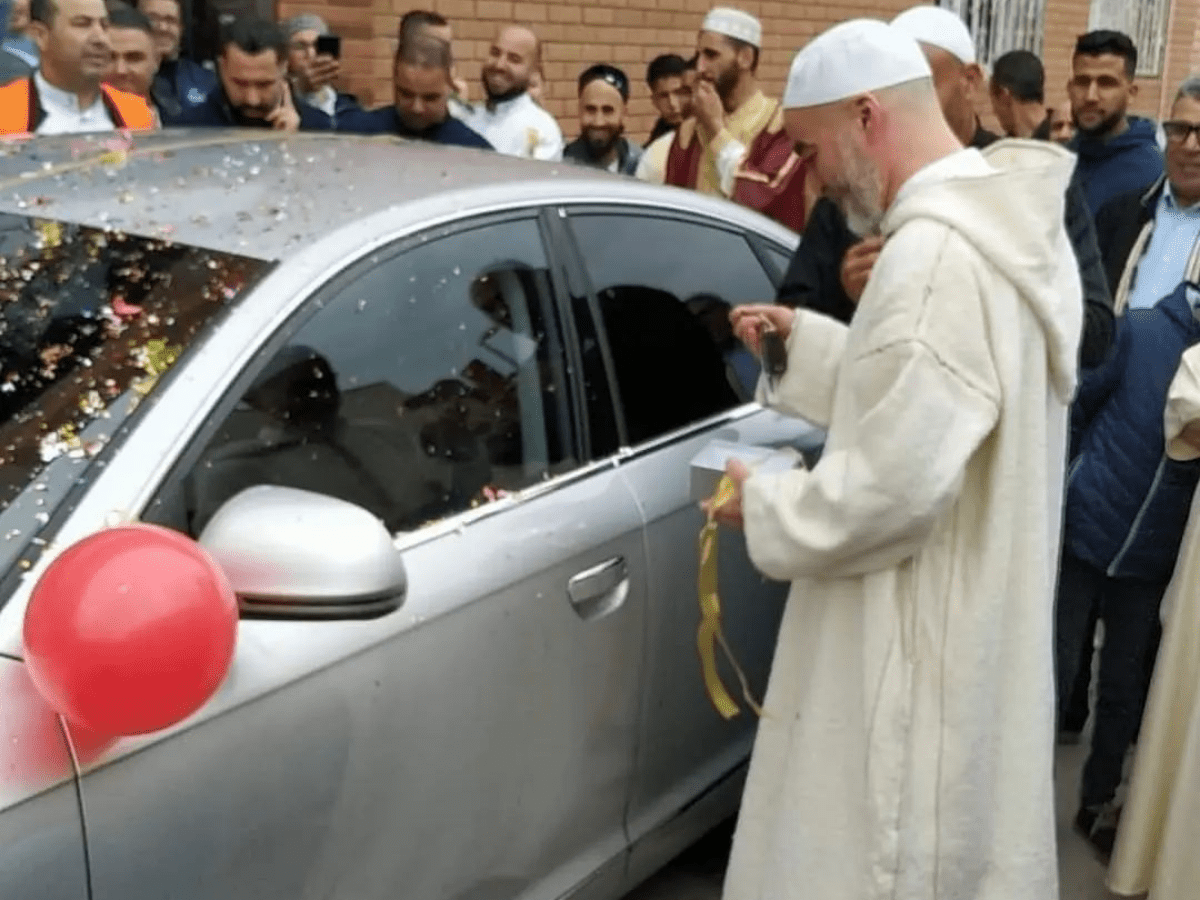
(906, 746)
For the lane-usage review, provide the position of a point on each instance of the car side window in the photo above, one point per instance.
(431, 384)
(665, 288)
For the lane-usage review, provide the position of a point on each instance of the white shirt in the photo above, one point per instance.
(518, 127)
(63, 115)
(325, 100)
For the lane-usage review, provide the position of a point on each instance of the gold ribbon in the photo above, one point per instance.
(711, 634)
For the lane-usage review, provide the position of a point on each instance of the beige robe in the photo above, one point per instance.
(1156, 847)
(906, 746)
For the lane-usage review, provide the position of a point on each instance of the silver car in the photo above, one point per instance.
(252, 339)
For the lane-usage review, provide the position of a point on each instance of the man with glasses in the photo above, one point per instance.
(181, 83)
(1147, 236)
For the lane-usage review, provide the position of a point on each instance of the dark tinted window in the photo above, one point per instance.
(90, 321)
(665, 289)
(431, 384)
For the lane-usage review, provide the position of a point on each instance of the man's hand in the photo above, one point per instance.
(748, 324)
(708, 108)
(857, 265)
(284, 117)
(730, 512)
(320, 71)
(459, 84)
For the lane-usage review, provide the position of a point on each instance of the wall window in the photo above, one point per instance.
(1145, 21)
(1002, 25)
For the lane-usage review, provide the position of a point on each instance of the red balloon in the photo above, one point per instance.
(130, 630)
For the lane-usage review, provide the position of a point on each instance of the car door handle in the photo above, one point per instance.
(601, 590)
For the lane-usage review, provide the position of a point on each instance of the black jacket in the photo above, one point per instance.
(216, 111)
(386, 120)
(814, 280)
(1118, 224)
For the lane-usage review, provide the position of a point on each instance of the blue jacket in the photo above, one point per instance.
(181, 83)
(1132, 161)
(1127, 503)
(216, 111)
(387, 121)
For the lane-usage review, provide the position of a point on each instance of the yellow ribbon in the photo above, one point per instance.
(711, 633)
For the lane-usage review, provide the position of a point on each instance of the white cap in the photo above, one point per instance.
(940, 28)
(734, 23)
(850, 59)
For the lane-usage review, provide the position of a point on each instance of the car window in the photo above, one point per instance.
(430, 384)
(91, 321)
(665, 288)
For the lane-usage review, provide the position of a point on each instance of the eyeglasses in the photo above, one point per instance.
(1179, 132)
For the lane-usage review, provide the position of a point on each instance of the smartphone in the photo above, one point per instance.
(774, 353)
(329, 45)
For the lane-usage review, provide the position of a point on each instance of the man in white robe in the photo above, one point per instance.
(905, 749)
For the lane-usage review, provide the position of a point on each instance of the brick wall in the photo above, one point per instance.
(629, 33)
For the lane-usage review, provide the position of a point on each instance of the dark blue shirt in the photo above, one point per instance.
(216, 111)
(1131, 161)
(387, 121)
(181, 83)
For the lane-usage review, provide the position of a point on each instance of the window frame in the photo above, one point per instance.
(270, 345)
(574, 256)
(992, 42)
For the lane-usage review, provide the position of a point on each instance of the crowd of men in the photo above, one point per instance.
(1128, 209)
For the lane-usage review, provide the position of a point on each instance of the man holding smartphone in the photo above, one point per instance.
(314, 63)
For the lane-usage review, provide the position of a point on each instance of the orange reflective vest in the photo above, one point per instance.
(21, 110)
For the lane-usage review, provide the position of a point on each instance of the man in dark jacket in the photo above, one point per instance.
(669, 79)
(252, 91)
(830, 268)
(312, 74)
(180, 82)
(603, 93)
(1127, 506)
(1117, 153)
(421, 111)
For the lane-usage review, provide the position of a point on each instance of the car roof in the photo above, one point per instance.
(270, 195)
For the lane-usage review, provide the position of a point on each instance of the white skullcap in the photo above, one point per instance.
(734, 23)
(853, 58)
(940, 28)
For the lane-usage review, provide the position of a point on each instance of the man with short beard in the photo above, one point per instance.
(253, 91)
(511, 119)
(603, 93)
(735, 146)
(65, 94)
(1118, 153)
(134, 54)
(905, 746)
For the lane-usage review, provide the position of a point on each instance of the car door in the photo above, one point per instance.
(662, 288)
(476, 742)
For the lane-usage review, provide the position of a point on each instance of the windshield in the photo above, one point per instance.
(90, 322)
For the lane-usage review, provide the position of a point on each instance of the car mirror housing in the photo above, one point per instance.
(300, 555)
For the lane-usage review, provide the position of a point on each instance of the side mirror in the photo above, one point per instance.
(295, 554)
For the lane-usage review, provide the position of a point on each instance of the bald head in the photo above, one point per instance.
(515, 55)
(958, 84)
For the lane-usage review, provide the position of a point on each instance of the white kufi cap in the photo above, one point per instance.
(734, 23)
(940, 28)
(850, 59)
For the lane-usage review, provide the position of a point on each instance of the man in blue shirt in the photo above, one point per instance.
(180, 82)
(1146, 237)
(1117, 152)
(421, 110)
